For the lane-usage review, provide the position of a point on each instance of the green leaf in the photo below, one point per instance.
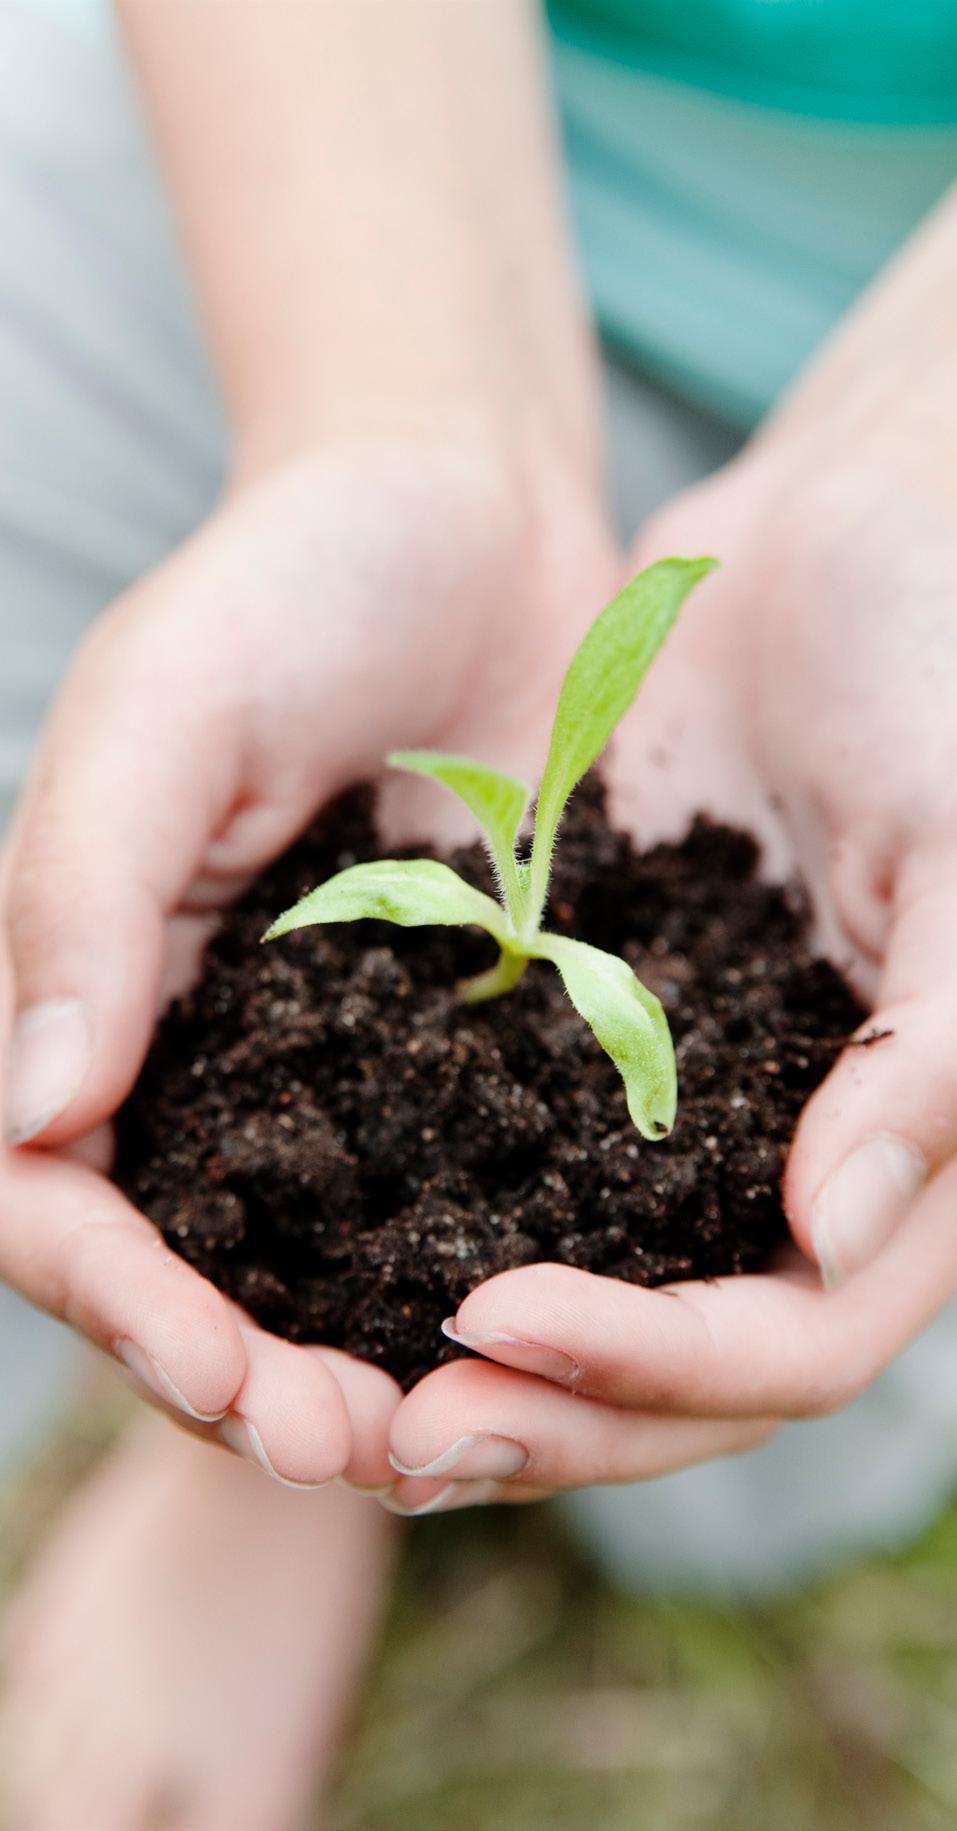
(629, 1023)
(413, 893)
(602, 681)
(498, 802)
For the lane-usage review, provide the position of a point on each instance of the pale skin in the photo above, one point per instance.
(413, 539)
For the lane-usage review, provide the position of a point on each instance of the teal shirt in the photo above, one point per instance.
(739, 169)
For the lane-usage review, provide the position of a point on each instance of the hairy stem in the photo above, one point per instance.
(512, 893)
(500, 978)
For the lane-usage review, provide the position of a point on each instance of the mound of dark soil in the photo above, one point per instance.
(347, 1150)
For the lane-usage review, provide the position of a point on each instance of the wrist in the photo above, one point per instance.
(513, 469)
(272, 433)
(514, 431)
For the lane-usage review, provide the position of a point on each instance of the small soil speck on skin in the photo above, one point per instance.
(868, 1040)
(327, 1133)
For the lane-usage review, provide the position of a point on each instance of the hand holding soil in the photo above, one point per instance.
(807, 697)
(327, 612)
(811, 696)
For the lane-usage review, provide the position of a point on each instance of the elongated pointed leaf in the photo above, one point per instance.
(498, 802)
(414, 893)
(629, 1023)
(602, 681)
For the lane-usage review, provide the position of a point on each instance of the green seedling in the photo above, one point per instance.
(600, 684)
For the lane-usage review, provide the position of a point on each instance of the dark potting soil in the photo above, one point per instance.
(326, 1132)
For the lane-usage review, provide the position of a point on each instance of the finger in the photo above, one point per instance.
(886, 1117)
(778, 1345)
(109, 835)
(413, 1499)
(7, 996)
(96, 1149)
(471, 1423)
(289, 1416)
(372, 1399)
(75, 1247)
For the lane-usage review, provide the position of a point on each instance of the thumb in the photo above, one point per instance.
(127, 785)
(886, 1117)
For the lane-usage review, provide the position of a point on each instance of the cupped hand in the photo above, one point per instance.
(810, 691)
(357, 599)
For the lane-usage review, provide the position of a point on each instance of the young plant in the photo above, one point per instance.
(600, 684)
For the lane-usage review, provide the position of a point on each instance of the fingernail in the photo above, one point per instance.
(150, 1374)
(512, 1351)
(239, 1435)
(47, 1064)
(355, 1487)
(481, 1456)
(447, 1500)
(862, 1203)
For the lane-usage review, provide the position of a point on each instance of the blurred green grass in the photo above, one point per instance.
(515, 1690)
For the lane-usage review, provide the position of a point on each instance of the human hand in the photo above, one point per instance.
(355, 599)
(809, 691)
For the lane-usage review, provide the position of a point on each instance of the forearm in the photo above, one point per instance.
(369, 198)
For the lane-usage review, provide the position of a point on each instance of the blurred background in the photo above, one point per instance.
(517, 1690)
